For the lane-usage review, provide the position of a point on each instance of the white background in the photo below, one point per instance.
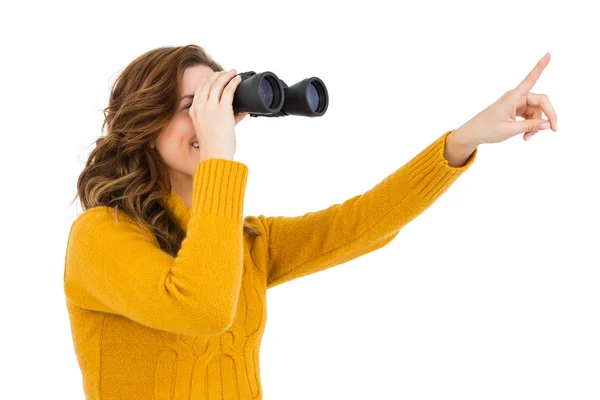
(492, 293)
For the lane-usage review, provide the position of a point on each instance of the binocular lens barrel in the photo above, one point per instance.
(266, 95)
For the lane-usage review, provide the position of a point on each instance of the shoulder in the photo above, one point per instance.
(103, 221)
(100, 215)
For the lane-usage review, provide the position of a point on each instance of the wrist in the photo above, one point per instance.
(205, 155)
(462, 138)
(457, 151)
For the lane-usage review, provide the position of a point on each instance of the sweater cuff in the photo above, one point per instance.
(430, 174)
(219, 186)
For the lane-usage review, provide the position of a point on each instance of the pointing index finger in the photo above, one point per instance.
(530, 80)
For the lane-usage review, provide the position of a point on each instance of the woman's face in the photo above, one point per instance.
(174, 142)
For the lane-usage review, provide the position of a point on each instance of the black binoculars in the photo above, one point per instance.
(265, 95)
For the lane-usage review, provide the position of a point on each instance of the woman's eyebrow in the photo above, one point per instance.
(186, 96)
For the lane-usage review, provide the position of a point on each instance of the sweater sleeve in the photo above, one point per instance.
(114, 268)
(318, 240)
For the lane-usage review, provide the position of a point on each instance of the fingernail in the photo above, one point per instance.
(545, 125)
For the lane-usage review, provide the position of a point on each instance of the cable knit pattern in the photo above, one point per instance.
(146, 325)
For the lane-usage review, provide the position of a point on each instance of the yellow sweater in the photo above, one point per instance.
(146, 325)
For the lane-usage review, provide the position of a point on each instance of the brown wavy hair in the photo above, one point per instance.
(123, 171)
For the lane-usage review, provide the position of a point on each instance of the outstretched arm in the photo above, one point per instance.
(318, 240)
(302, 245)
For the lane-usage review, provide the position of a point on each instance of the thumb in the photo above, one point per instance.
(239, 117)
(528, 125)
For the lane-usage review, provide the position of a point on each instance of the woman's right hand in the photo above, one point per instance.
(212, 115)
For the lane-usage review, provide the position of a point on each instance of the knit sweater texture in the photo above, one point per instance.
(146, 325)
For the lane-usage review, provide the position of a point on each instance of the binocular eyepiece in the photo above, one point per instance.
(265, 95)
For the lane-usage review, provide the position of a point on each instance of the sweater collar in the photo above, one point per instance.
(178, 208)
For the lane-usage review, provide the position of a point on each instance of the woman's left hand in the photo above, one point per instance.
(498, 122)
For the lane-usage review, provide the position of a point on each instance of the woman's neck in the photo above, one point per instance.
(181, 184)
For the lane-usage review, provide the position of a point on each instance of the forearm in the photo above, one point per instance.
(457, 150)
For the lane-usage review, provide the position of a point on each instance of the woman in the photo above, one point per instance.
(166, 281)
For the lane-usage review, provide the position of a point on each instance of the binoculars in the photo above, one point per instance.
(265, 95)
